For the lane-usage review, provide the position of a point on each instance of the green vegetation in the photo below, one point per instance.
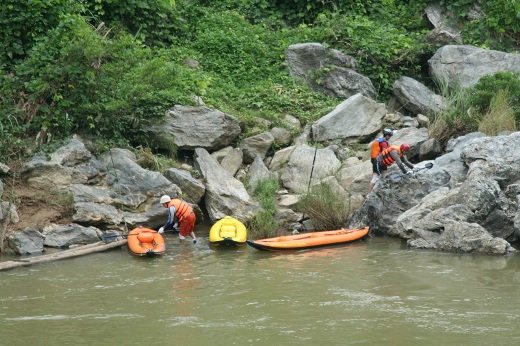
(154, 162)
(265, 223)
(325, 208)
(491, 106)
(496, 27)
(482, 94)
(108, 69)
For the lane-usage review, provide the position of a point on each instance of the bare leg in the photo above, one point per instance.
(375, 178)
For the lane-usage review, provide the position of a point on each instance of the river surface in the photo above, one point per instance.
(371, 292)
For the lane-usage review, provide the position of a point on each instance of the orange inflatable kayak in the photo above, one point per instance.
(144, 241)
(309, 240)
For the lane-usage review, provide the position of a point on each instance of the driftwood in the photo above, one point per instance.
(82, 250)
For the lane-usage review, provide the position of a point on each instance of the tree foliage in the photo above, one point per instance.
(26, 22)
(154, 22)
(110, 68)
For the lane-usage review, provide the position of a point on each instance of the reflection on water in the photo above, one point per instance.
(370, 292)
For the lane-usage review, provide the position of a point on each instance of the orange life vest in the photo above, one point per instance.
(182, 209)
(377, 146)
(387, 158)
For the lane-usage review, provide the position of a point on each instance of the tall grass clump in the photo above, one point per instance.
(479, 108)
(326, 209)
(265, 224)
(456, 118)
(500, 116)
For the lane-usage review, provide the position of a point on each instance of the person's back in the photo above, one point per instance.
(394, 153)
(378, 146)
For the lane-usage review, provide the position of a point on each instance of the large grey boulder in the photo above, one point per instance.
(328, 71)
(463, 66)
(467, 202)
(444, 31)
(417, 98)
(306, 58)
(69, 164)
(196, 127)
(27, 242)
(192, 190)
(307, 166)
(225, 195)
(257, 145)
(62, 236)
(358, 118)
(258, 171)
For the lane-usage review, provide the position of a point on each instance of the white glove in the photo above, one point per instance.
(409, 173)
(415, 169)
(161, 230)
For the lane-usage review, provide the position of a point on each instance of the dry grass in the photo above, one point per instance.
(500, 116)
(325, 208)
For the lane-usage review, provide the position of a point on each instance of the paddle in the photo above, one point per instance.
(112, 237)
(426, 166)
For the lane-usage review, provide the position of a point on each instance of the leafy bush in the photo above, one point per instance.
(61, 84)
(25, 22)
(264, 224)
(479, 107)
(234, 49)
(99, 81)
(482, 93)
(108, 68)
(154, 22)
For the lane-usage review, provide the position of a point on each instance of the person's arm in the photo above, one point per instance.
(406, 162)
(383, 145)
(397, 159)
(171, 217)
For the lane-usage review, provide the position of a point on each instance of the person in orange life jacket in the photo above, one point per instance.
(181, 212)
(397, 154)
(378, 146)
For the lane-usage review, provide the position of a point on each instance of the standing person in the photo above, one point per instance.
(397, 154)
(378, 146)
(181, 212)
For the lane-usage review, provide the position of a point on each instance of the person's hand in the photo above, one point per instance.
(161, 230)
(409, 173)
(415, 169)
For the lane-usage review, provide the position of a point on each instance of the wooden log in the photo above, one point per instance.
(79, 251)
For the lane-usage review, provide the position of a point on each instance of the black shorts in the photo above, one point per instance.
(380, 168)
(374, 165)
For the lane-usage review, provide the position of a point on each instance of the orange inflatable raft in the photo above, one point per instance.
(144, 241)
(309, 240)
